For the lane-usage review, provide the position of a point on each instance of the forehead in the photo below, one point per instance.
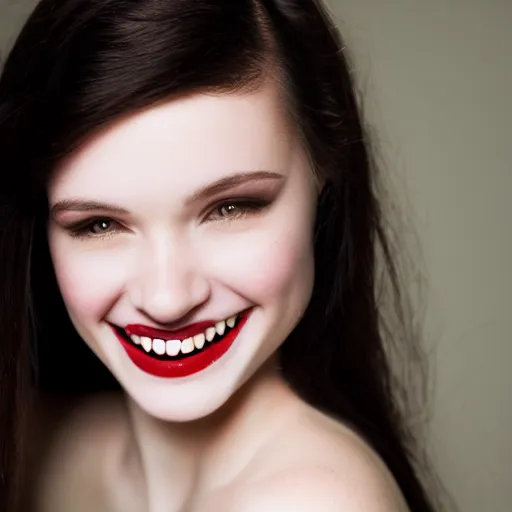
(188, 141)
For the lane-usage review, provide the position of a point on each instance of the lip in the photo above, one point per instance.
(188, 365)
(181, 334)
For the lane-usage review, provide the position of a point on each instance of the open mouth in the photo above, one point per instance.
(177, 350)
(171, 358)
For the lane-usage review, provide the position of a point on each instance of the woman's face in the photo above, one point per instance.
(174, 220)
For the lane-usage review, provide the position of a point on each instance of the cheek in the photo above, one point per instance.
(283, 268)
(88, 282)
(271, 264)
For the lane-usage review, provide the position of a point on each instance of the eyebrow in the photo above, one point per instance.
(217, 187)
(232, 181)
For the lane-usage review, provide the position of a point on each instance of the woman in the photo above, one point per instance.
(186, 186)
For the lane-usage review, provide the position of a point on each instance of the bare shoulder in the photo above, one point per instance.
(319, 464)
(79, 447)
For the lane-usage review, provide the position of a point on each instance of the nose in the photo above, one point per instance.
(169, 283)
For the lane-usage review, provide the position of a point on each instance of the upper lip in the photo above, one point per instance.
(179, 334)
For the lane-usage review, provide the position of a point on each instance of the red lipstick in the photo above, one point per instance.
(181, 334)
(184, 364)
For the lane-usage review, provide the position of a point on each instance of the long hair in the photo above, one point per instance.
(80, 64)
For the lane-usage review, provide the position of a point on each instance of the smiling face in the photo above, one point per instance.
(192, 211)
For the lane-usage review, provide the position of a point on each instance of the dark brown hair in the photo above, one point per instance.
(79, 64)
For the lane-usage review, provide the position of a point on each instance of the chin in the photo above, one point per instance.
(178, 403)
(177, 410)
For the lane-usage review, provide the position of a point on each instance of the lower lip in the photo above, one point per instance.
(184, 367)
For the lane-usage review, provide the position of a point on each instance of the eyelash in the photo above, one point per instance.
(245, 207)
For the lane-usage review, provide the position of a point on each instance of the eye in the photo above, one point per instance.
(230, 210)
(237, 209)
(94, 228)
(100, 227)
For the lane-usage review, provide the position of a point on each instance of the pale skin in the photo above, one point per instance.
(233, 437)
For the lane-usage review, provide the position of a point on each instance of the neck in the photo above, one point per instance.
(210, 452)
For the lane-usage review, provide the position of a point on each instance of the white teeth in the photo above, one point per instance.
(210, 333)
(146, 343)
(172, 347)
(159, 346)
(199, 340)
(220, 327)
(187, 345)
